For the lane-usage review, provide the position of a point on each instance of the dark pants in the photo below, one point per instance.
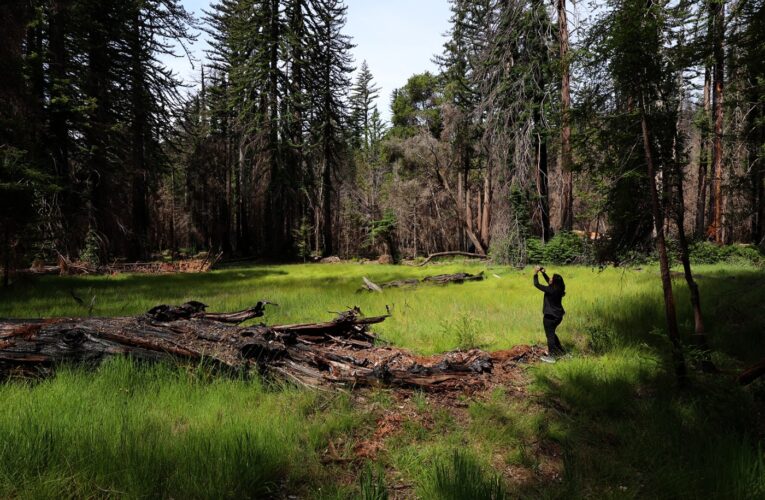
(553, 342)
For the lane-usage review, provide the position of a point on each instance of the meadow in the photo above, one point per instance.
(608, 422)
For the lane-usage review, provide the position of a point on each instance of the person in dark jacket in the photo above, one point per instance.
(553, 311)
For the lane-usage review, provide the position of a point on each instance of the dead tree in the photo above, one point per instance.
(341, 351)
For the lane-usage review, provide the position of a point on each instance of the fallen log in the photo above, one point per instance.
(452, 253)
(67, 267)
(441, 279)
(752, 373)
(341, 351)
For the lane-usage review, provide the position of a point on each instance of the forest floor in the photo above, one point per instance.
(607, 422)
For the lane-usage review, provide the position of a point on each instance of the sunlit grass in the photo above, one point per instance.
(505, 307)
(624, 428)
(159, 431)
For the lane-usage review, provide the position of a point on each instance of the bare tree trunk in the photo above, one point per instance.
(701, 196)
(543, 186)
(479, 214)
(326, 206)
(468, 216)
(666, 280)
(717, 9)
(566, 163)
(700, 338)
(6, 256)
(460, 207)
(486, 218)
(468, 212)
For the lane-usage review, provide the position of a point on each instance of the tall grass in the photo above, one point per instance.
(624, 429)
(507, 308)
(459, 476)
(158, 432)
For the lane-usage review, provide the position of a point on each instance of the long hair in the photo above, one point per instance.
(558, 284)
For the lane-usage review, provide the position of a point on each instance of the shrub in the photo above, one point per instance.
(563, 248)
(705, 252)
(601, 339)
(91, 252)
(466, 332)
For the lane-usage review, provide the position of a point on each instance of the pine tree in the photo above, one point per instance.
(329, 76)
(362, 99)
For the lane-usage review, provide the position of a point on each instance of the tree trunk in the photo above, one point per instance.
(666, 280)
(566, 162)
(486, 218)
(701, 192)
(326, 204)
(468, 211)
(138, 132)
(717, 10)
(543, 186)
(700, 338)
(6, 255)
(461, 208)
(479, 201)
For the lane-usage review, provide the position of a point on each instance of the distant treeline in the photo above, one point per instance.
(278, 151)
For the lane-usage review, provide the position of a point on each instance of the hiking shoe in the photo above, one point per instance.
(547, 359)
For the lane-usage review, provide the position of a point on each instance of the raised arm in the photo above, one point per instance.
(544, 288)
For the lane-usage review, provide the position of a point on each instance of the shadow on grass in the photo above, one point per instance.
(732, 305)
(628, 432)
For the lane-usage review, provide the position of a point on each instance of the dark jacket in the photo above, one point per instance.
(552, 305)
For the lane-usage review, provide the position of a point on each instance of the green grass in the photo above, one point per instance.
(160, 431)
(611, 418)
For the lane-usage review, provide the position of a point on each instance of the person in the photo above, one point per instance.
(552, 310)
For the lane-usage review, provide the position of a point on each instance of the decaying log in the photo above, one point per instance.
(452, 253)
(67, 267)
(339, 351)
(441, 279)
(752, 373)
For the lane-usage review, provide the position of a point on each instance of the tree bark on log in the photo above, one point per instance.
(314, 354)
(440, 279)
(752, 373)
(453, 253)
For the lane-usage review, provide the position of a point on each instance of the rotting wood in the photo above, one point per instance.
(752, 373)
(67, 267)
(452, 253)
(341, 351)
(440, 279)
(443, 279)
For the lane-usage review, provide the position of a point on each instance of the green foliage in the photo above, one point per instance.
(91, 251)
(416, 106)
(460, 476)
(704, 252)
(383, 228)
(302, 236)
(563, 248)
(601, 338)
